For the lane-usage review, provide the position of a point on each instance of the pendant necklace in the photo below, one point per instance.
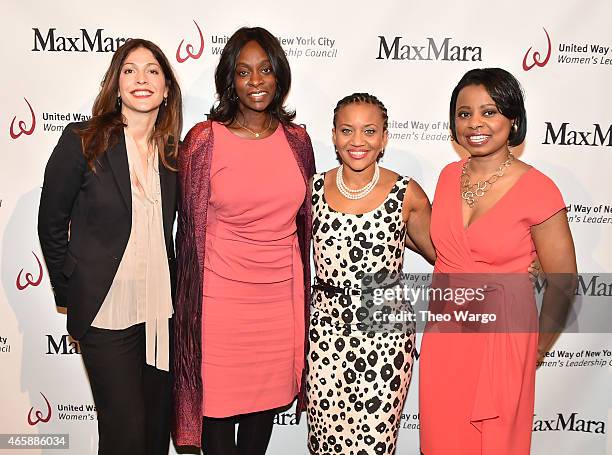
(253, 132)
(470, 192)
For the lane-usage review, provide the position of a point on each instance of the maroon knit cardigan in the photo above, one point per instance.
(194, 179)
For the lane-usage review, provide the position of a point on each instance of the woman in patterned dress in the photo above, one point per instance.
(363, 216)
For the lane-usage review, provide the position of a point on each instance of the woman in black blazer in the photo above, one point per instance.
(105, 223)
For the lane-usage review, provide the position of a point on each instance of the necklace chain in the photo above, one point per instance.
(470, 192)
(254, 133)
(359, 193)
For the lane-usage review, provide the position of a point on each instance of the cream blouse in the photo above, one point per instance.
(140, 291)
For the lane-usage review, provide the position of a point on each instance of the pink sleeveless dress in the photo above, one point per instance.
(253, 291)
(477, 390)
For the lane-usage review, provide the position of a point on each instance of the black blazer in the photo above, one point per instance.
(84, 224)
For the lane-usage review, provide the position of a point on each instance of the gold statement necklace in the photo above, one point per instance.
(470, 192)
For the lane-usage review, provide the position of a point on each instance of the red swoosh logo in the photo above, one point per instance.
(23, 129)
(190, 49)
(39, 414)
(535, 56)
(29, 278)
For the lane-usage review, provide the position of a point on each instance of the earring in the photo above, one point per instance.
(119, 101)
(514, 127)
(165, 101)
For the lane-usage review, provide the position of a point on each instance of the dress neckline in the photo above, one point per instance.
(227, 131)
(494, 206)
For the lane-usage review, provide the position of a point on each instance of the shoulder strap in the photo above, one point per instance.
(401, 184)
(318, 181)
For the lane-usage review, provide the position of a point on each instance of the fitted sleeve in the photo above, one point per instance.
(62, 183)
(546, 201)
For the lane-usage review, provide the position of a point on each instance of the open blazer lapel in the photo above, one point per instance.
(117, 157)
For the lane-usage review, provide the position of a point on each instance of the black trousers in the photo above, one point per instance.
(133, 399)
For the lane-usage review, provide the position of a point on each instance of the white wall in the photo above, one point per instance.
(415, 92)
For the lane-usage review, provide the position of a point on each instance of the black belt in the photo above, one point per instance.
(326, 287)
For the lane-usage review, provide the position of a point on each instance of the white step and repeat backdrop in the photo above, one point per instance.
(410, 54)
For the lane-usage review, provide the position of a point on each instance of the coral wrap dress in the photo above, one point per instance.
(477, 385)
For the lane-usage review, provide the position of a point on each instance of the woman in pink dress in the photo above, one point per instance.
(243, 242)
(491, 214)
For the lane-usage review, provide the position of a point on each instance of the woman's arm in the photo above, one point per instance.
(555, 248)
(417, 215)
(62, 183)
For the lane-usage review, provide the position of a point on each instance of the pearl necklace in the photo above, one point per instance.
(359, 193)
(253, 132)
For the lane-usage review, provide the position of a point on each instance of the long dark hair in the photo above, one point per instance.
(226, 109)
(106, 123)
(504, 90)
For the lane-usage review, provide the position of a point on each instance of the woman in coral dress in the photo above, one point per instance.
(243, 244)
(477, 382)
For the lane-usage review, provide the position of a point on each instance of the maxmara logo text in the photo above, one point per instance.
(569, 422)
(567, 134)
(63, 345)
(589, 285)
(50, 40)
(432, 49)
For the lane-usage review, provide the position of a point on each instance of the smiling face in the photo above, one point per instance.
(359, 135)
(481, 128)
(254, 79)
(142, 85)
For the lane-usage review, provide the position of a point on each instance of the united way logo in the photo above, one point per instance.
(533, 58)
(184, 54)
(23, 281)
(38, 415)
(22, 126)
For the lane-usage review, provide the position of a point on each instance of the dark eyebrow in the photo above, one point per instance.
(364, 126)
(261, 63)
(147, 64)
(481, 106)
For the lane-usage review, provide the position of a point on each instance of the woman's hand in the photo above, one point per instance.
(535, 270)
